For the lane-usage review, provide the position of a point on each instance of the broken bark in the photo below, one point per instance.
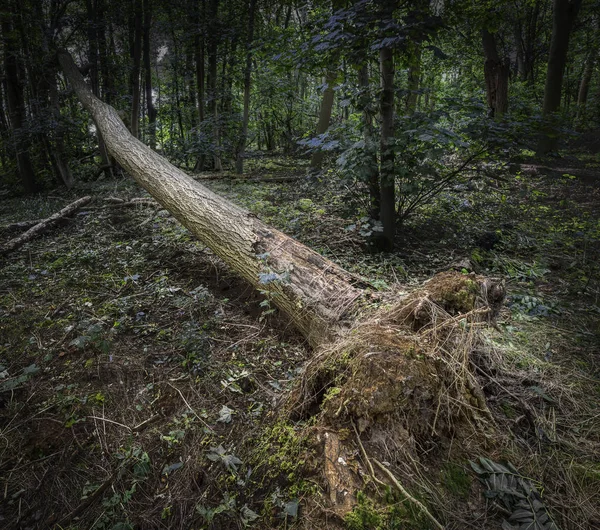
(317, 294)
(44, 225)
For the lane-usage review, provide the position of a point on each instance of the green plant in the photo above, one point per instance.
(516, 494)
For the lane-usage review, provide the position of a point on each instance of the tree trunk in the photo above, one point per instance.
(54, 141)
(135, 70)
(387, 176)
(372, 170)
(200, 77)
(496, 71)
(414, 77)
(93, 58)
(563, 17)
(324, 116)
(212, 82)
(239, 163)
(148, 74)
(316, 294)
(586, 79)
(16, 104)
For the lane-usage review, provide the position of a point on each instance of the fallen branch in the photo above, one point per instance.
(21, 225)
(44, 225)
(84, 505)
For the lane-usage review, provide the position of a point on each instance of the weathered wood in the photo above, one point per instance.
(44, 225)
(317, 294)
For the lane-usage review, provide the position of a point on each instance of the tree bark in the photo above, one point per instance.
(387, 176)
(316, 294)
(135, 70)
(212, 83)
(414, 77)
(239, 163)
(95, 80)
(16, 104)
(496, 71)
(148, 75)
(372, 169)
(563, 17)
(586, 79)
(324, 116)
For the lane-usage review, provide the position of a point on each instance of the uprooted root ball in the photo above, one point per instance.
(402, 380)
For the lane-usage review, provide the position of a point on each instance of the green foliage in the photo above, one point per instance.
(364, 516)
(517, 494)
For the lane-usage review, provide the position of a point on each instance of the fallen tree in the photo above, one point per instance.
(42, 225)
(316, 293)
(401, 374)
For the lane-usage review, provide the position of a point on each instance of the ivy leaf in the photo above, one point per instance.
(225, 414)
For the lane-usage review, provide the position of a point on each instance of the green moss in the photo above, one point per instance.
(456, 480)
(365, 515)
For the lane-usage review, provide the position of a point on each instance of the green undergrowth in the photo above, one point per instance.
(130, 354)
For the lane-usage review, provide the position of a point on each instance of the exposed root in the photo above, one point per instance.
(403, 377)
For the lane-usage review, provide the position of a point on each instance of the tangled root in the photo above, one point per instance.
(402, 377)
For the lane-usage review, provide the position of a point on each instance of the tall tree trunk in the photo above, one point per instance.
(199, 64)
(135, 70)
(387, 174)
(95, 81)
(148, 74)
(586, 79)
(316, 294)
(54, 141)
(563, 17)
(239, 162)
(496, 71)
(324, 115)
(16, 103)
(372, 170)
(414, 77)
(212, 81)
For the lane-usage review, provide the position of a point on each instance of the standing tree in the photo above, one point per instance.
(563, 17)
(136, 56)
(239, 163)
(496, 71)
(15, 98)
(387, 173)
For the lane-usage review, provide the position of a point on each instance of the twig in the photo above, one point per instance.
(145, 423)
(87, 502)
(394, 480)
(189, 406)
(111, 421)
(401, 489)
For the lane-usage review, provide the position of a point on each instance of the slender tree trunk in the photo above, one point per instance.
(316, 294)
(212, 82)
(496, 71)
(563, 17)
(414, 77)
(95, 81)
(586, 79)
(16, 103)
(372, 170)
(387, 174)
(148, 74)
(324, 115)
(200, 77)
(135, 70)
(239, 162)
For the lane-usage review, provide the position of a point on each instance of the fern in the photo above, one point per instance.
(506, 486)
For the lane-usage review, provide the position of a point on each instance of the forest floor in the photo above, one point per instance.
(141, 382)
